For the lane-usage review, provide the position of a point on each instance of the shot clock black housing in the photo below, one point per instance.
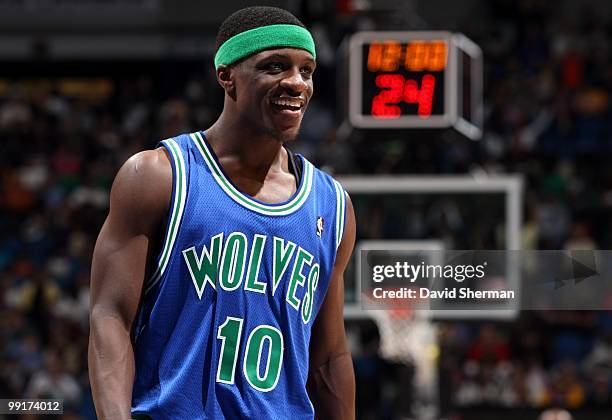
(423, 79)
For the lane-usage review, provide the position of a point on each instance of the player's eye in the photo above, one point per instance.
(274, 66)
(307, 71)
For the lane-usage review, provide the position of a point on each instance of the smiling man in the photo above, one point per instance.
(217, 278)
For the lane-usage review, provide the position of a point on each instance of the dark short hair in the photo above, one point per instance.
(251, 18)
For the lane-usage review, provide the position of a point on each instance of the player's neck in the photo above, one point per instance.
(254, 153)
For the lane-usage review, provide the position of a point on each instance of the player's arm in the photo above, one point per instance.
(331, 380)
(139, 201)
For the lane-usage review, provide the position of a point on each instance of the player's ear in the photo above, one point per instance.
(225, 77)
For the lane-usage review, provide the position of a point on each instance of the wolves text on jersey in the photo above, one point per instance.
(227, 264)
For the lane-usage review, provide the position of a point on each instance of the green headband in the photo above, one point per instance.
(263, 38)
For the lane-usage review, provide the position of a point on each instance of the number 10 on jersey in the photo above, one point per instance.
(230, 334)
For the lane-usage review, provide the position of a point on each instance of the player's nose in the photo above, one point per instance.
(294, 81)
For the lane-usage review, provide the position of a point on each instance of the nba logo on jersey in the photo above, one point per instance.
(320, 223)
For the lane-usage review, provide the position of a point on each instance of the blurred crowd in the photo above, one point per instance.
(548, 83)
(548, 117)
(549, 358)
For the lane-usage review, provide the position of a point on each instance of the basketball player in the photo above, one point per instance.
(217, 278)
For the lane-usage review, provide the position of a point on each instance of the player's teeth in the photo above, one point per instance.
(286, 103)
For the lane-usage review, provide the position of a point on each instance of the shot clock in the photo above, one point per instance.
(415, 80)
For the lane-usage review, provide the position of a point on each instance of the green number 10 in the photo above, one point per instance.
(230, 334)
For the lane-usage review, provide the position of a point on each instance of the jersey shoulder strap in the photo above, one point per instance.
(295, 165)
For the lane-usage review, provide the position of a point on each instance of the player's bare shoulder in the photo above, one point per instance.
(142, 188)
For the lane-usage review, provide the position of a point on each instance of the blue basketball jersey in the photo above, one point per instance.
(224, 325)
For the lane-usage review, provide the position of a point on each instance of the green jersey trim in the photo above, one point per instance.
(244, 200)
(178, 205)
(340, 212)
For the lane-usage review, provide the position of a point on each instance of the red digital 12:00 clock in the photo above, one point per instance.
(405, 73)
